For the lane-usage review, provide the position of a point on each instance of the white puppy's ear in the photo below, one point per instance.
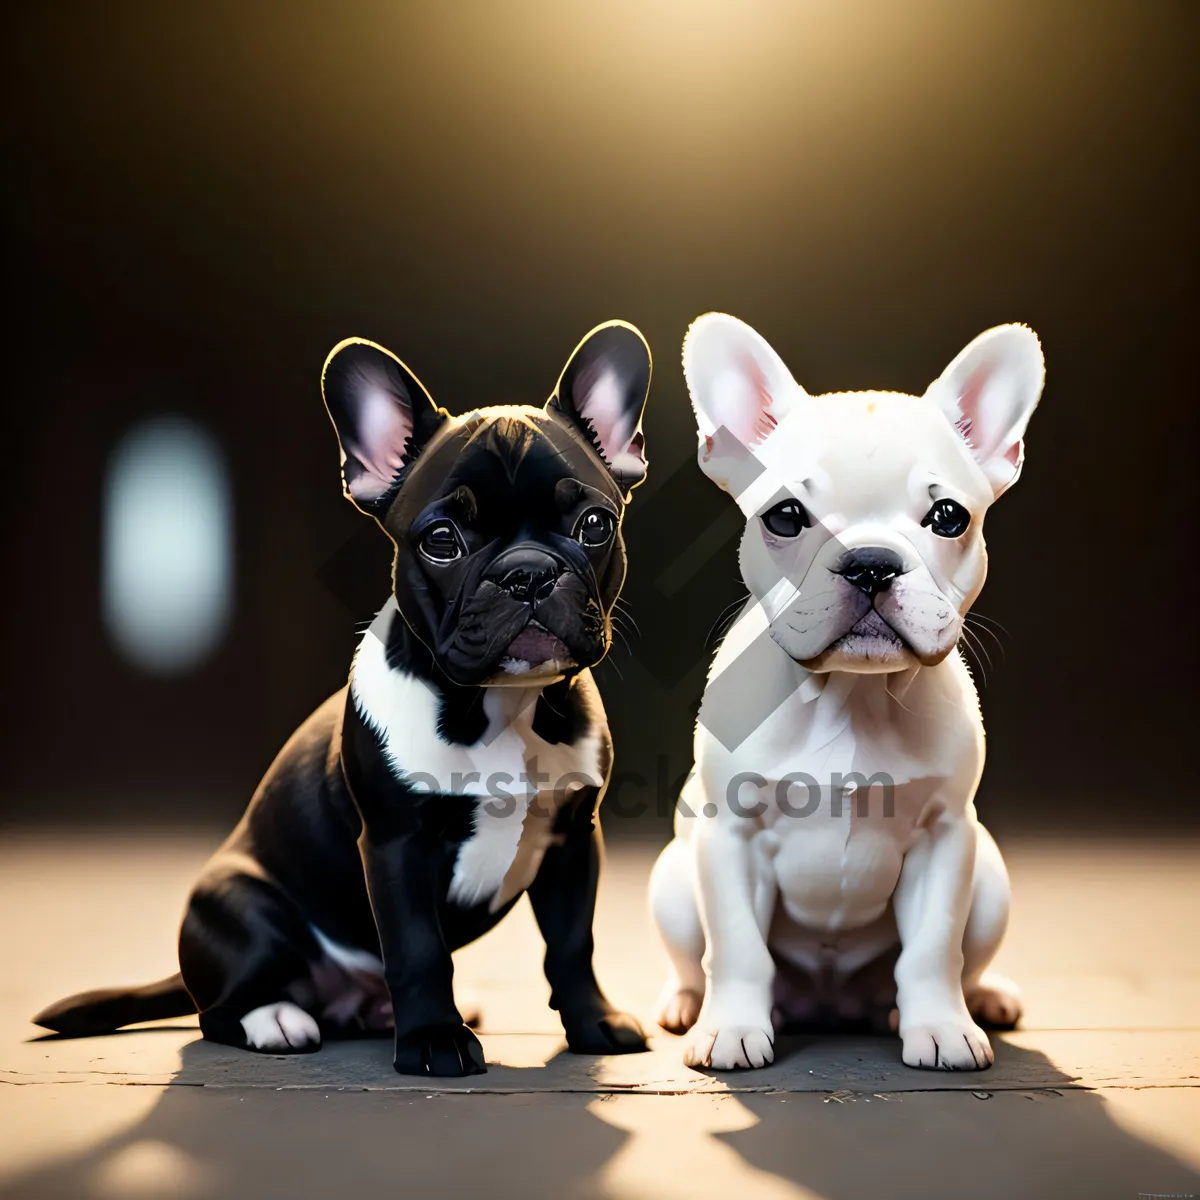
(989, 393)
(740, 390)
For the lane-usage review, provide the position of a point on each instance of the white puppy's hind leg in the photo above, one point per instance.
(991, 998)
(673, 907)
(763, 848)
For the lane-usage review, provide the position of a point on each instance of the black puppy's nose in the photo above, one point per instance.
(528, 575)
(870, 569)
(528, 585)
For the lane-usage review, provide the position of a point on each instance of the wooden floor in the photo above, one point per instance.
(1097, 1096)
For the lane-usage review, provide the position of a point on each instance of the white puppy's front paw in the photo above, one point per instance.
(731, 1047)
(956, 1044)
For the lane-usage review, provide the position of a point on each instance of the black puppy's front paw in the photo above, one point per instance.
(450, 1051)
(604, 1033)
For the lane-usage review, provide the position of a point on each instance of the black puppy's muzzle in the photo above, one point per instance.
(526, 573)
(555, 595)
(531, 604)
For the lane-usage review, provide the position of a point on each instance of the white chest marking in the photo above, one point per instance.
(917, 735)
(914, 725)
(506, 770)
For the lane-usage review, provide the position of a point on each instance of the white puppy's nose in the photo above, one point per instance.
(871, 569)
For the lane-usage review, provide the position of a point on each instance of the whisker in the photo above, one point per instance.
(623, 608)
(610, 663)
(978, 630)
(980, 616)
(977, 652)
(619, 620)
(724, 621)
(896, 699)
(982, 629)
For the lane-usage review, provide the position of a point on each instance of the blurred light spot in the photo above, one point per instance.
(167, 545)
(675, 1150)
(152, 1168)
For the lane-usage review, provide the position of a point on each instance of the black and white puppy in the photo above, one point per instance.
(464, 762)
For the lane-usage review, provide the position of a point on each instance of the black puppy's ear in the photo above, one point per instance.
(602, 391)
(383, 416)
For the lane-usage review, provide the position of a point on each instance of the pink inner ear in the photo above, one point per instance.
(749, 418)
(973, 423)
(985, 423)
(383, 428)
(616, 425)
(972, 390)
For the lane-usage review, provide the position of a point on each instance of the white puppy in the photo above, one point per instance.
(828, 830)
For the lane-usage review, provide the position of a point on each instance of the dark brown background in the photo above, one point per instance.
(203, 199)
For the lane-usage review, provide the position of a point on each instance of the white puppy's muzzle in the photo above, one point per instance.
(866, 603)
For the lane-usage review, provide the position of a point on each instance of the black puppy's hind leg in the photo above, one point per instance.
(244, 949)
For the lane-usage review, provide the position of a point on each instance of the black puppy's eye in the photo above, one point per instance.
(595, 527)
(787, 519)
(440, 543)
(947, 518)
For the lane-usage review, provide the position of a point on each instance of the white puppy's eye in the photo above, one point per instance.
(947, 518)
(440, 543)
(787, 518)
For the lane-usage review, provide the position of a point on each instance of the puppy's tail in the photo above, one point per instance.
(103, 1011)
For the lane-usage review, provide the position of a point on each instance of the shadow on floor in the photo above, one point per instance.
(201, 1142)
(1052, 1143)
